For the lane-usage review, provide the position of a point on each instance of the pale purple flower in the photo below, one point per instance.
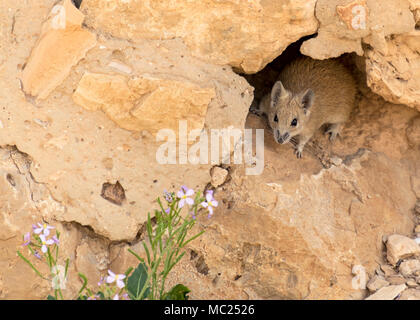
(125, 296)
(27, 239)
(45, 243)
(184, 195)
(168, 196)
(36, 254)
(167, 210)
(116, 277)
(55, 239)
(101, 281)
(93, 297)
(210, 202)
(116, 297)
(44, 228)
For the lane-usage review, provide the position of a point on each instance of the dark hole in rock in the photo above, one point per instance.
(11, 180)
(113, 192)
(77, 3)
(201, 266)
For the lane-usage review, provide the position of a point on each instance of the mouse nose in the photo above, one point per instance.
(281, 138)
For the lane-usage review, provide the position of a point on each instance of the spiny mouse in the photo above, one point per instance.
(308, 94)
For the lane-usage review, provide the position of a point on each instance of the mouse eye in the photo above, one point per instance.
(276, 119)
(294, 122)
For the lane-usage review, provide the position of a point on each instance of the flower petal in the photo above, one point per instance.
(209, 197)
(120, 284)
(190, 192)
(44, 248)
(204, 204)
(215, 203)
(180, 194)
(190, 201)
(181, 203)
(110, 279)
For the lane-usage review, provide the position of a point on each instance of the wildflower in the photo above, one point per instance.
(36, 254)
(167, 196)
(167, 210)
(184, 195)
(93, 297)
(116, 277)
(44, 228)
(45, 243)
(116, 297)
(101, 281)
(125, 296)
(27, 239)
(55, 239)
(210, 203)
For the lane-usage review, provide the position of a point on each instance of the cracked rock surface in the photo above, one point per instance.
(78, 126)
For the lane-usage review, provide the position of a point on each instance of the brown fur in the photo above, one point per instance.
(314, 92)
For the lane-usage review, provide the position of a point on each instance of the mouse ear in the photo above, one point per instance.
(278, 93)
(307, 100)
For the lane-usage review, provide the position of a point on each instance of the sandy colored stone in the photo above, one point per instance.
(388, 270)
(244, 35)
(396, 279)
(411, 284)
(400, 247)
(345, 24)
(70, 146)
(410, 294)
(409, 267)
(62, 43)
(376, 283)
(218, 176)
(144, 103)
(413, 136)
(393, 72)
(92, 259)
(387, 293)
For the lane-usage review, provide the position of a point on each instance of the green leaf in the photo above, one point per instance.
(85, 281)
(179, 292)
(50, 297)
(137, 281)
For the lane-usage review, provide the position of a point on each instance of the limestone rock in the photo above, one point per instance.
(393, 71)
(413, 137)
(410, 294)
(244, 35)
(387, 293)
(409, 267)
(376, 283)
(396, 279)
(400, 247)
(411, 284)
(218, 176)
(144, 103)
(344, 24)
(62, 43)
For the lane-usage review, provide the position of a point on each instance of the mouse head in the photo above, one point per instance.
(288, 113)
